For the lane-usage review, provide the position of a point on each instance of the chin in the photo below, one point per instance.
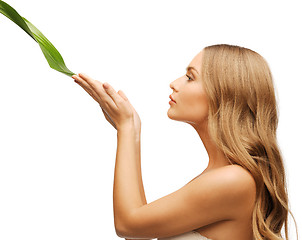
(174, 117)
(169, 115)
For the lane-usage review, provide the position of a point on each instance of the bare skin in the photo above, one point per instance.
(218, 203)
(190, 89)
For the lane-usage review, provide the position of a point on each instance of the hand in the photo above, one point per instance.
(116, 107)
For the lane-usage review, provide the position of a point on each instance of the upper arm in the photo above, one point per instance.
(212, 197)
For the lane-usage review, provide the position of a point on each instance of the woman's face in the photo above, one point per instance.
(191, 104)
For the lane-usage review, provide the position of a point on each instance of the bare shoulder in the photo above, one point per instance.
(240, 176)
(232, 176)
(235, 181)
(234, 173)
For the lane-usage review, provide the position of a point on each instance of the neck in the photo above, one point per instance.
(217, 158)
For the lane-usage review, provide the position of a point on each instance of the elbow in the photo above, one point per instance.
(120, 232)
(128, 234)
(121, 229)
(127, 228)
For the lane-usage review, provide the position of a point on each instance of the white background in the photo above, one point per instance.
(57, 151)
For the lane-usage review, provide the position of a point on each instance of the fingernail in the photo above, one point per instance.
(106, 85)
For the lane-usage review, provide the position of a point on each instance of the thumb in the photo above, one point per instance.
(123, 95)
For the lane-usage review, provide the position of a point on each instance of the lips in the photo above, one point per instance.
(172, 98)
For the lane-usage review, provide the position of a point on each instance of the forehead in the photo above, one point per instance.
(196, 62)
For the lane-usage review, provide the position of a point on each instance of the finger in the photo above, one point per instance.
(86, 77)
(113, 94)
(87, 88)
(97, 86)
(123, 95)
(82, 81)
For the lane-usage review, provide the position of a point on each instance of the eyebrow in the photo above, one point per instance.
(189, 69)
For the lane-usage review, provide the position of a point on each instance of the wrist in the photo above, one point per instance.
(126, 126)
(129, 128)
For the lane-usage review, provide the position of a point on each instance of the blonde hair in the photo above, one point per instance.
(242, 121)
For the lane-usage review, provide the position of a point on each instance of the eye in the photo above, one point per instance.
(189, 78)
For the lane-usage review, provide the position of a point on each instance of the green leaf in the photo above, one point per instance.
(51, 54)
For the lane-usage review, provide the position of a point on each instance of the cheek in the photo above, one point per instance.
(195, 106)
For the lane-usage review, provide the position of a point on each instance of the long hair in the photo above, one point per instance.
(242, 121)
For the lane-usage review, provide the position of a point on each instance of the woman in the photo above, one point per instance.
(227, 95)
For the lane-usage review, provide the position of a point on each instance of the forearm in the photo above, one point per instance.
(128, 190)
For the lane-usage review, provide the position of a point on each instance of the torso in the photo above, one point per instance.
(233, 229)
(240, 227)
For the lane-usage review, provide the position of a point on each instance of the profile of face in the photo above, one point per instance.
(190, 103)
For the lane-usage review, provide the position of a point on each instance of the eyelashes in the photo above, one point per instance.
(189, 78)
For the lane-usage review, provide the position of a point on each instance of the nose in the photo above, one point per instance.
(173, 84)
